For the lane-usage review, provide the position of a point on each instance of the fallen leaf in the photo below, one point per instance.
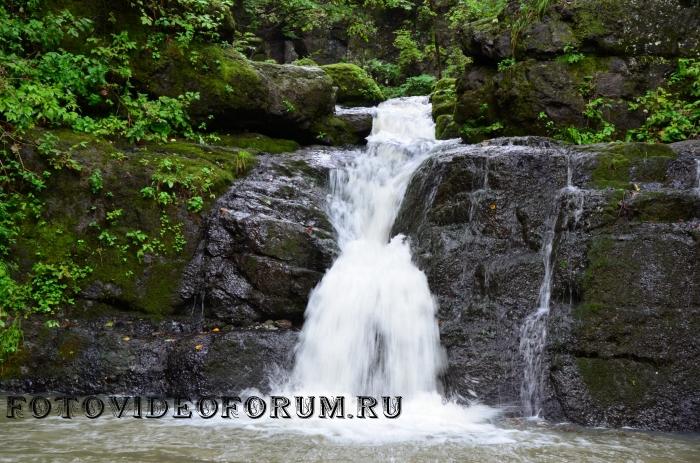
(126, 338)
(215, 330)
(199, 347)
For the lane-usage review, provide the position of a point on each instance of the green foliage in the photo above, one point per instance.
(44, 85)
(506, 64)
(480, 128)
(477, 12)
(483, 15)
(456, 62)
(243, 161)
(289, 106)
(673, 112)
(387, 74)
(416, 86)
(183, 20)
(598, 130)
(410, 53)
(571, 56)
(95, 181)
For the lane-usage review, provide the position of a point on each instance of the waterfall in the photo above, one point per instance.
(533, 332)
(370, 326)
(370, 323)
(697, 176)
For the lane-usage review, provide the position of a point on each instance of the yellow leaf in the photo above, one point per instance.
(198, 347)
(215, 330)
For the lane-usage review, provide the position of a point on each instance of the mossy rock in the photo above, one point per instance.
(444, 97)
(237, 94)
(355, 86)
(620, 164)
(336, 131)
(258, 142)
(617, 381)
(445, 127)
(74, 224)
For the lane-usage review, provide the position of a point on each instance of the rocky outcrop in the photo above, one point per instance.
(575, 53)
(266, 244)
(280, 100)
(212, 317)
(121, 354)
(625, 300)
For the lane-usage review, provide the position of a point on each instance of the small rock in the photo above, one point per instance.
(283, 324)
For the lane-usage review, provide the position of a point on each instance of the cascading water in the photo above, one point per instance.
(370, 324)
(533, 332)
(697, 176)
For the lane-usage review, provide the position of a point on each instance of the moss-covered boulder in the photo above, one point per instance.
(130, 213)
(355, 86)
(235, 93)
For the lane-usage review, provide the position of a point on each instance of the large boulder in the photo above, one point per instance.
(355, 86)
(235, 93)
(620, 349)
(266, 243)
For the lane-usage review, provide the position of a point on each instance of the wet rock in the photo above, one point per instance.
(136, 356)
(358, 122)
(625, 296)
(266, 243)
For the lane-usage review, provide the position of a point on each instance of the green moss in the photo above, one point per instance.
(223, 78)
(444, 98)
(257, 142)
(599, 278)
(617, 381)
(355, 86)
(620, 164)
(655, 206)
(73, 218)
(335, 131)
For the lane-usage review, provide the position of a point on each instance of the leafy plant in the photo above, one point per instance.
(571, 56)
(599, 129)
(506, 64)
(672, 112)
(243, 161)
(409, 51)
(95, 181)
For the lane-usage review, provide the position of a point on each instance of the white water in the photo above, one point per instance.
(370, 325)
(697, 176)
(533, 332)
